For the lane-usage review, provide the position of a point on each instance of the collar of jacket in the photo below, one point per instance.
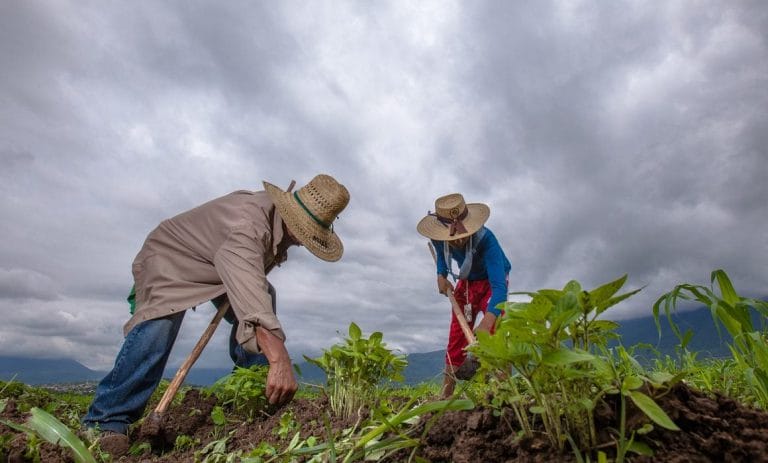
(277, 237)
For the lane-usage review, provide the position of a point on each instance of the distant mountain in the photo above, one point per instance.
(421, 367)
(42, 371)
(706, 340)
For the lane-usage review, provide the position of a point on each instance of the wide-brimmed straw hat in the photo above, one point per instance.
(453, 218)
(309, 213)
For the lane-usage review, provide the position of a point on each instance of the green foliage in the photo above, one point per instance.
(619, 373)
(544, 362)
(749, 345)
(183, 443)
(287, 425)
(549, 341)
(355, 368)
(216, 452)
(549, 362)
(42, 426)
(218, 417)
(11, 389)
(260, 454)
(243, 389)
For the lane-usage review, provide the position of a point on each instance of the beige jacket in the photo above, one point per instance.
(227, 245)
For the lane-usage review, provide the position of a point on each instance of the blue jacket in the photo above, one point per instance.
(489, 263)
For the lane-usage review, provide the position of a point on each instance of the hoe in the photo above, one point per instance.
(152, 423)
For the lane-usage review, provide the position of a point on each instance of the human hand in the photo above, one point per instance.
(444, 286)
(487, 323)
(281, 383)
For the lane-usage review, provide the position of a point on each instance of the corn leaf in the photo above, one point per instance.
(56, 432)
(726, 287)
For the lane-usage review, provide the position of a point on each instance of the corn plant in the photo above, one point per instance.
(749, 344)
(549, 342)
(42, 426)
(355, 369)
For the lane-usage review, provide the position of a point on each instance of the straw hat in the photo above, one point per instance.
(310, 211)
(453, 218)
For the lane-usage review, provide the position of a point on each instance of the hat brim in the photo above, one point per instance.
(320, 241)
(477, 215)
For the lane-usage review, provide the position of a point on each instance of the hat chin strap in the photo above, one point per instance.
(454, 225)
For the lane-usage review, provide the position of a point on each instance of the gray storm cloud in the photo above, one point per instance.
(607, 138)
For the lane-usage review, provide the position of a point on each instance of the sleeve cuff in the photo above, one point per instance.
(246, 331)
(495, 311)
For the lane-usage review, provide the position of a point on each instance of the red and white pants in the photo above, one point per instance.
(477, 293)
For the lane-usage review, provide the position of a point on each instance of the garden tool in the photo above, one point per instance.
(470, 365)
(151, 425)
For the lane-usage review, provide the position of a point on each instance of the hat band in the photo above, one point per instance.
(454, 225)
(309, 213)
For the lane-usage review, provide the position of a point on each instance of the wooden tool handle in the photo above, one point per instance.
(462, 320)
(181, 374)
(455, 306)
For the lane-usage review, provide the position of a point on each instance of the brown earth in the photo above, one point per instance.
(713, 429)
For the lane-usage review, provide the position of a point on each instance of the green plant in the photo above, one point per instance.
(216, 452)
(219, 419)
(287, 425)
(550, 342)
(355, 368)
(622, 375)
(42, 425)
(260, 454)
(141, 448)
(243, 389)
(749, 346)
(184, 442)
(369, 443)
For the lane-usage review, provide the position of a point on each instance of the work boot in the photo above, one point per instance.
(114, 443)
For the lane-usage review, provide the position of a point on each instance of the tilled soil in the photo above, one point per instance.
(713, 429)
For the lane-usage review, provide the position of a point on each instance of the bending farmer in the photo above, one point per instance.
(457, 233)
(224, 248)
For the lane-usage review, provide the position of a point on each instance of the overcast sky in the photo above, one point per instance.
(607, 137)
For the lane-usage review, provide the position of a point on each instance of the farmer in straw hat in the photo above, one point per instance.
(457, 233)
(222, 249)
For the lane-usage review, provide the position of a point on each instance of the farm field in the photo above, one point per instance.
(548, 389)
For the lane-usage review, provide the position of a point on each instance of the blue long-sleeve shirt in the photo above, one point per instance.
(489, 263)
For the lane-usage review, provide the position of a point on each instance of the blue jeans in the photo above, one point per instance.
(122, 395)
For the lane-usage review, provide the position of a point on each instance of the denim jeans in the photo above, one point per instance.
(122, 395)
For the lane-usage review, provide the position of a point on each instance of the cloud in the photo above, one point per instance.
(607, 139)
(26, 284)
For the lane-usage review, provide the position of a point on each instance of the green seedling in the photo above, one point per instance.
(355, 368)
(42, 425)
(243, 390)
(184, 442)
(287, 425)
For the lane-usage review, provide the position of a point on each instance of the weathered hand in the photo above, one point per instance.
(281, 383)
(443, 285)
(487, 323)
